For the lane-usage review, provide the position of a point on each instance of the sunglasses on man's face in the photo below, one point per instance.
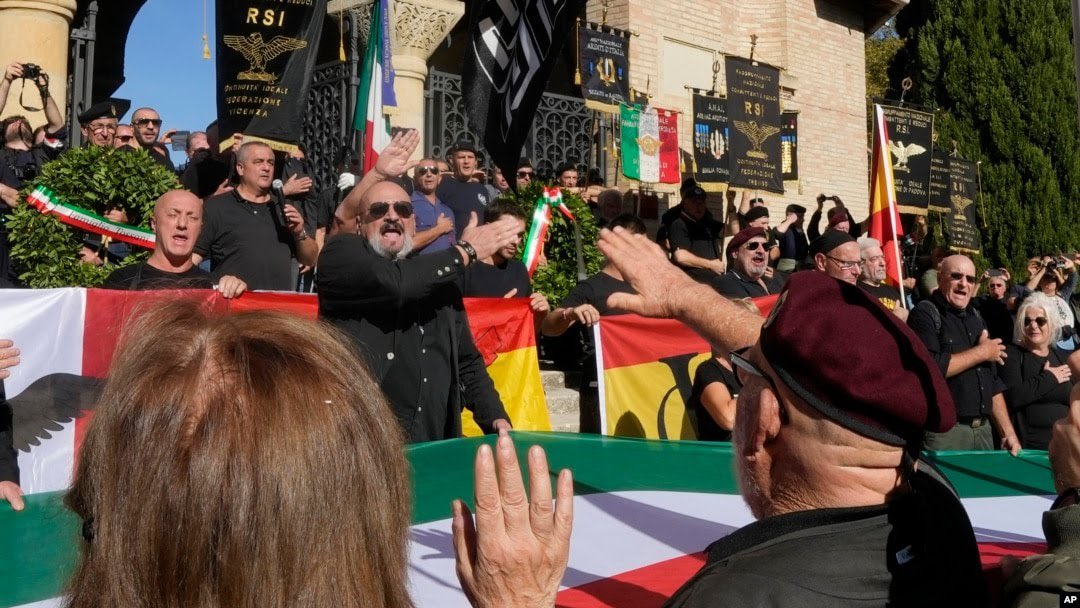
(145, 122)
(957, 276)
(1040, 321)
(403, 209)
(755, 245)
(427, 170)
(125, 138)
(524, 174)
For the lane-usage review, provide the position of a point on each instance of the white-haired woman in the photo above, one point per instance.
(1036, 373)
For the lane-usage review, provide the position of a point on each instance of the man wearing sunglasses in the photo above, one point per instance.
(956, 336)
(748, 258)
(147, 124)
(434, 220)
(459, 192)
(836, 394)
(526, 173)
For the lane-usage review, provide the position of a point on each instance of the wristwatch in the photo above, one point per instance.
(1068, 498)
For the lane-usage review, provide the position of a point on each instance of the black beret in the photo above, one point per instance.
(695, 192)
(829, 241)
(687, 184)
(793, 208)
(756, 213)
(742, 236)
(464, 144)
(854, 361)
(103, 109)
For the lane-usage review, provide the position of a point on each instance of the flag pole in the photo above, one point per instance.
(880, 150)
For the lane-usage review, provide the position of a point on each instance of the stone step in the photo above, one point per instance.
(565, 423)
(562, 401)
(554, 379)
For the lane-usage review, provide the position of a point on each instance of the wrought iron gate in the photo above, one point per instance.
(328, 128)
(562, 129)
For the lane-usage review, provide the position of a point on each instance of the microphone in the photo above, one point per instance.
(277, 205)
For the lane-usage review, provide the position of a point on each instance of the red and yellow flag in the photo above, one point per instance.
(646, 369)
(884, 216)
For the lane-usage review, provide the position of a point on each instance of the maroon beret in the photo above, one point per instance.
(742, 236)
(839, 216)
(854, 361)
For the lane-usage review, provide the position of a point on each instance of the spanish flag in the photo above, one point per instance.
(646, 371)
(884, 216)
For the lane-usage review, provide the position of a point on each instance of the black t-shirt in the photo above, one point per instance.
(708, 372)
(496, 280)
(733, 285)
(144, 276)
(595, 290)
(463, 198)
(204, 174)
(888, 295)
(160, 153)
(242, 239)
(699, 237)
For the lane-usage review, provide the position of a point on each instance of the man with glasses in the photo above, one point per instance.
(405, 314)
(98, 124)
(147, 123)
(748, 258)
(434, 220)
(956, 337)
(837, 254)
(526, 173)
(872, 277)
(459, 192)
(245, 233)
(124, 137)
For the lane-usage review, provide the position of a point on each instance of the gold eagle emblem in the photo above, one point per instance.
(960, 205)
(649, 145)
(258, 52)
(902, 153)
(757, 134)
(605, 69)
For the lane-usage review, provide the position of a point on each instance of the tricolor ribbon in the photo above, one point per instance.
(45, 201)
(534, 243)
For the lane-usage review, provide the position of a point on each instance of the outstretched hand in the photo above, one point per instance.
(488, 238)
(646, 267)
(515, 551)
(394, 158)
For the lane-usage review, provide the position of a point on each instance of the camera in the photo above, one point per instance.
(1052, 264)
(31, 71)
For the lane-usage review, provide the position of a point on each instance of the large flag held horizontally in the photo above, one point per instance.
(643, 515)
(68, 336)
(650, 144)
(511, 49)
(884, 215)
(376, 90)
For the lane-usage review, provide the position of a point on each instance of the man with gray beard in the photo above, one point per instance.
(872, 277)
(405, 314)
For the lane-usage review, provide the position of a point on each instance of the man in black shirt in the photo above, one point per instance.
(458, 191)
(794, 246)
(749, 258)
(246, 235)
(872, 277)
(147, 124)
(503, 275)
(177, 222)
(207, 171)
(693, 238)
(405, 314)
(956, 337)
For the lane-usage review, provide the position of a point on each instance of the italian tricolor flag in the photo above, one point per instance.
(376, 90)
(650, 144)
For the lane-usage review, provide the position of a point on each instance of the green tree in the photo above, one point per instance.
(880, 49)
(1000, 75)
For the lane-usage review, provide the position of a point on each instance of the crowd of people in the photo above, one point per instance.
(828, 413)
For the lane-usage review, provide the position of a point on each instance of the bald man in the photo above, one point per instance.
(404, 313)
(956, 337)
(177, 221)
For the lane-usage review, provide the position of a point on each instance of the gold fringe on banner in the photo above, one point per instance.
(205, 42)
(577, 43)
(341, 36)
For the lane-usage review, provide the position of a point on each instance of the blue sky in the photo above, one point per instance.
(164, 68)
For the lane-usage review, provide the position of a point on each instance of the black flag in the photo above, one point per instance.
(711, 136)
(512, 48)
(753, 109)
(789, 146)
(266, 52)
(939, 182)
(911, 135)
(604, 67)
(964, 235)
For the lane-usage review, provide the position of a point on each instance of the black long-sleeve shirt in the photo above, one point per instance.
(1033, 394)
(814, 229)
(958, 330)
(407, 319)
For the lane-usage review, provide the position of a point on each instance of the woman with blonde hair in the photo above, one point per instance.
(243, 460)
(1036, 373)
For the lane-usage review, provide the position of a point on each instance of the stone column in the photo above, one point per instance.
(36, 31)
(417, 28)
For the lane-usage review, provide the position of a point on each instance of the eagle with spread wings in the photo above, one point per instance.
(902, 153)
(757, 134)
(259, 52)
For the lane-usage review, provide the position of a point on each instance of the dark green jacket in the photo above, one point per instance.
(1040, 578)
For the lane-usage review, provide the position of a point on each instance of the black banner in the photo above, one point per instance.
(511, 50)
(964, 233)
(604, 67)
(710, 142)
(939, 182)
(789, 146)
(265, 55)
(753, 109)
(911, 139)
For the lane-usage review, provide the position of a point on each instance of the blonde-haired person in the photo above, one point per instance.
(244, 460)
(1037, 373)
